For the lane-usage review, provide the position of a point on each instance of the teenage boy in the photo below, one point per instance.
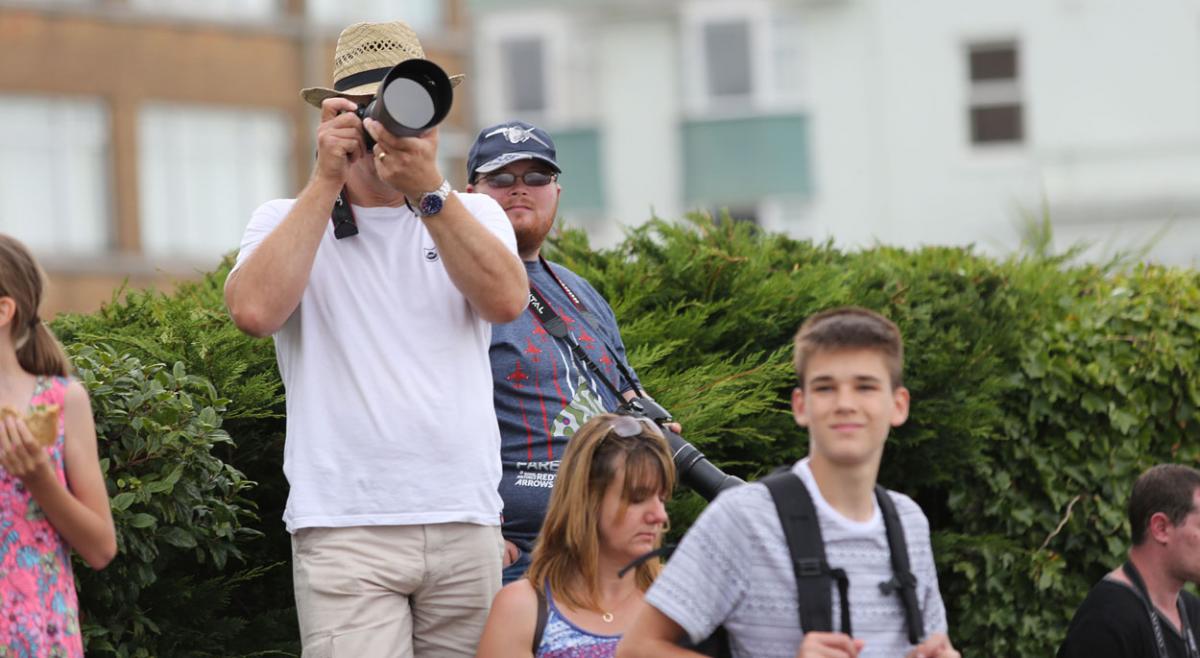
(733, 568)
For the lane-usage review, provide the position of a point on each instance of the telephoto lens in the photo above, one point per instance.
(693, 469)
(413, 97)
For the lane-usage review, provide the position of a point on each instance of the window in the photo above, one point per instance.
(55, 193)
(744, 57)
(203, 171)
(727, 58)
(995, 96)
(535, 65)
(524, 74)
(421, 15)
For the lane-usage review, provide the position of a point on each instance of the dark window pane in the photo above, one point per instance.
(524, 70)
(727, 53)
(996, 124)
(994, 63)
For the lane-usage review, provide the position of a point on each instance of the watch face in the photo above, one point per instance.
(431, 204)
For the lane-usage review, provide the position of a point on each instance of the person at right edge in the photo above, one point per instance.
(733, 567)
(1140, 610)
(544, 391)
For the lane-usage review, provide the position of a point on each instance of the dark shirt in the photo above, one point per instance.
(543, 394)
(1112, 623)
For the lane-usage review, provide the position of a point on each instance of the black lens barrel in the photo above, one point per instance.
(696, 471)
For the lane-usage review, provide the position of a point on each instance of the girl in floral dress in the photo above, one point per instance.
(52, 498)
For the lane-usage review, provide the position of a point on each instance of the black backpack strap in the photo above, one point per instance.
(802, 530)
(903, 579)
(543, 613)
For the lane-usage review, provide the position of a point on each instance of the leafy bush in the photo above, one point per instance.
(178, 507)
(1040, 390)
(246, 606)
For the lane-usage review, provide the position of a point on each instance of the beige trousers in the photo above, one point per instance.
(418, 591)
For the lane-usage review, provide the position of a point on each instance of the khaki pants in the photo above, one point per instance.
(395, 591)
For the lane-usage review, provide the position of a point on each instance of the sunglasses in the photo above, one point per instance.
(631, 426)
(530, 178)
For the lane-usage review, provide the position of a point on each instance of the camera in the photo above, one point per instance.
(413, 97)
(693, 468)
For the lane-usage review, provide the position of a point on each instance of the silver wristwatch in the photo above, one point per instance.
(431, 203)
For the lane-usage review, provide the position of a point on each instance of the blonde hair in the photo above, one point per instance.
(566, 555)
(22, 280)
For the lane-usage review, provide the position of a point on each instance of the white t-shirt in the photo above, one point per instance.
(733, 568)
(389, 388)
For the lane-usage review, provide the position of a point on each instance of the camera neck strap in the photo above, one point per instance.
(557, 327)
(344, 225)
(1185, 627)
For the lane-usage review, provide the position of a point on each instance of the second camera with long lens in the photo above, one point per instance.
(693, 468)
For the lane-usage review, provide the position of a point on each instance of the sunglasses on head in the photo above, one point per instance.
(630, 426)
(530, 178)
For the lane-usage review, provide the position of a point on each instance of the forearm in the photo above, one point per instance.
(490, 276)
(91, 534)
(267, 288)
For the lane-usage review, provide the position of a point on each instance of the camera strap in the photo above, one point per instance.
(557, 327)
(802, 530)
(344, 225)
(1185, 626)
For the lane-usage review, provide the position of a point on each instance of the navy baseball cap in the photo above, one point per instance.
(508, 142)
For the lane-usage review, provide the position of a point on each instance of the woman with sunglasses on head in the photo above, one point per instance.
(606, 510)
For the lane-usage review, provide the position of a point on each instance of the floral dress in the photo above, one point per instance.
(39, 613)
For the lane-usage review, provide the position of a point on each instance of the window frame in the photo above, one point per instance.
(552, 30)
(765, 94)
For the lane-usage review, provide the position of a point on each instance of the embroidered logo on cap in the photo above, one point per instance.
(516, 135)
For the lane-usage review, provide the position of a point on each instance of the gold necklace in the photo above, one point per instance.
(608, 617)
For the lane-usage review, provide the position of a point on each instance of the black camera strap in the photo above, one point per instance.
(1185, 626)
(344, 225)
(802, 530)
(557, 327)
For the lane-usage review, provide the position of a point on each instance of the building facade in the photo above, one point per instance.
(865, 121)
(141, 134)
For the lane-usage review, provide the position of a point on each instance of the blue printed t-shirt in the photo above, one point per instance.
(543, 394)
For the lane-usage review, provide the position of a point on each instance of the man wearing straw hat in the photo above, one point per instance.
(381, 335)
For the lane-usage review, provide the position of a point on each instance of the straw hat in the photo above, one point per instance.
(365, 53)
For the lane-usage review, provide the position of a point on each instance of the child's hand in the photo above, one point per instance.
(20, 454)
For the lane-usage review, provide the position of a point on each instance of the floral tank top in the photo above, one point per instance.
(39, 613)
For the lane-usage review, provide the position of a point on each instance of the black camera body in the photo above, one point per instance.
(413, 97)
(693, 468)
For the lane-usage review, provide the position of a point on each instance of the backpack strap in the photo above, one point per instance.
(903, 579)
(543, 613)
(802, 530)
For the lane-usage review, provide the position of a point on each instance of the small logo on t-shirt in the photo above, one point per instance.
(431, 254)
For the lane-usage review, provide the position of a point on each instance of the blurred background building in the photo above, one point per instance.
(906, 123)
(139, 135)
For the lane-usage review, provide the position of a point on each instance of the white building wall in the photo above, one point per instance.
(1112, 123)
(639, 126)
(1111, 100)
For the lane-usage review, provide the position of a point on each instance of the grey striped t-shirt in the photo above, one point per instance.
(733, 568)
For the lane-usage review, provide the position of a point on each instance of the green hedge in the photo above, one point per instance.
(1040, 389)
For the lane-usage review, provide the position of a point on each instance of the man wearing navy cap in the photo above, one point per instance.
(543, 390)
